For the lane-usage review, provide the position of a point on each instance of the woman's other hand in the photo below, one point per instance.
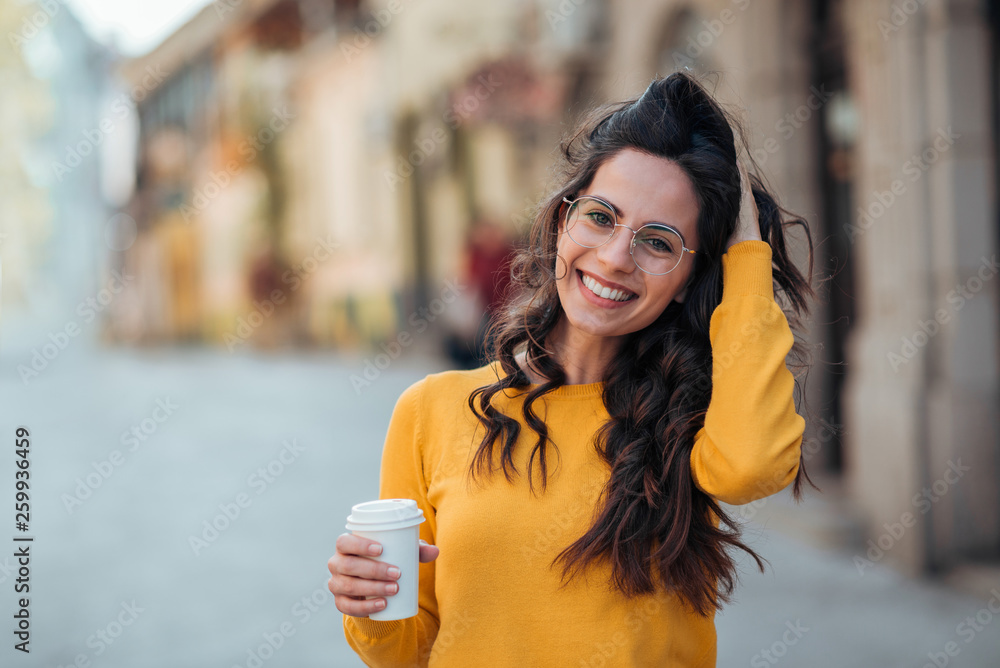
(747, 227)
(353, 576)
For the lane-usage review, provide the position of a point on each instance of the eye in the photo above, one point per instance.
(659, 245)
(659, 240)
(599, 218)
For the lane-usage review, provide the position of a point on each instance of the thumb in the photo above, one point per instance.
(428, 552)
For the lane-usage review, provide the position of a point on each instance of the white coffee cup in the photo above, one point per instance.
(395, 524)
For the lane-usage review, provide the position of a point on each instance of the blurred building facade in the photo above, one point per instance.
(58, 235)
(256, 169)
(922, 394)
(308, 172)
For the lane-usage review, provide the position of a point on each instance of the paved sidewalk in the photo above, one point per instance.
(814, 608)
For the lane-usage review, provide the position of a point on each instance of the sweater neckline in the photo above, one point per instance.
(567, 391)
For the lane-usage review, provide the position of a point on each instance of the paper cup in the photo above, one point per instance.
(395, 524)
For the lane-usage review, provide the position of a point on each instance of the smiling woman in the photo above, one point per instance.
(651, 190)
(647, 353)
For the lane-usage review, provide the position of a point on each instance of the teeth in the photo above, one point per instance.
(603, 291)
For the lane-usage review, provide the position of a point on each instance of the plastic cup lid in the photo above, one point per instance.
(384, 515)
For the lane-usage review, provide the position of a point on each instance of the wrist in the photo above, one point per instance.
(741, 238)
(375, 629)
(746, 270)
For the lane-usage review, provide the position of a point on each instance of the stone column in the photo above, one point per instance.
(922, 392)
(962, 364)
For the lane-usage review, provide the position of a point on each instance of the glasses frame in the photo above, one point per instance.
(611, 236)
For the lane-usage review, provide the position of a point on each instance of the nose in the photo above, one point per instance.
(616, 254)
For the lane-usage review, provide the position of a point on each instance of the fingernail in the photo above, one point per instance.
(394, 572)
(379, 605)
(374, 549)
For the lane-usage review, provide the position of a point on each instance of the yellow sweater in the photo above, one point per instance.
(490, 599)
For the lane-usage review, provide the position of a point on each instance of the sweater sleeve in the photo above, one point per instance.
(405, 642)
(749, 445)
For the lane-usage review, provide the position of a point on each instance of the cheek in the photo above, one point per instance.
(565, 255)
(563, 243)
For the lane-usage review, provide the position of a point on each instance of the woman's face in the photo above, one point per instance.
(644, 189)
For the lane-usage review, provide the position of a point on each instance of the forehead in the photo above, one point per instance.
(647, 188)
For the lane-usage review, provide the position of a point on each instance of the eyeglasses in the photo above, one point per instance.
(656, 248)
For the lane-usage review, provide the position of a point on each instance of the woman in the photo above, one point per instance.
(639, 380)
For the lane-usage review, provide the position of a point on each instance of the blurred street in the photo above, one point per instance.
(119, 579)
(232, 233)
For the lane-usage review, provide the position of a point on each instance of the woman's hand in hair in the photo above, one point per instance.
(747, 227)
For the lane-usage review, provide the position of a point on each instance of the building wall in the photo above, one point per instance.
(922, 397)
(52, 216)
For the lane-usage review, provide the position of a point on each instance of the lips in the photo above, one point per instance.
(612, 292)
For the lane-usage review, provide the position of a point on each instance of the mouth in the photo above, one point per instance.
(606, 294)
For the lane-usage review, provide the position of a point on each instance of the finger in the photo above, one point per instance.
(363, 567)
(744, 180)
(358, 608)
(747, 202)
(361, 587)
(429, 552)
(350, 544)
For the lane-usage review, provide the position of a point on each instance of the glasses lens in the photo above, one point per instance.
(657, 249)
(589, 222)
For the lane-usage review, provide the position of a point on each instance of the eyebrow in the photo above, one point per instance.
(618, 212)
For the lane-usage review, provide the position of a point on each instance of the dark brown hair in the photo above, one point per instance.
(658, 387)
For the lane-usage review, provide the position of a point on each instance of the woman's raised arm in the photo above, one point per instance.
(750, 443)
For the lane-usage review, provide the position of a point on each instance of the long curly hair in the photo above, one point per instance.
(658, 387)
